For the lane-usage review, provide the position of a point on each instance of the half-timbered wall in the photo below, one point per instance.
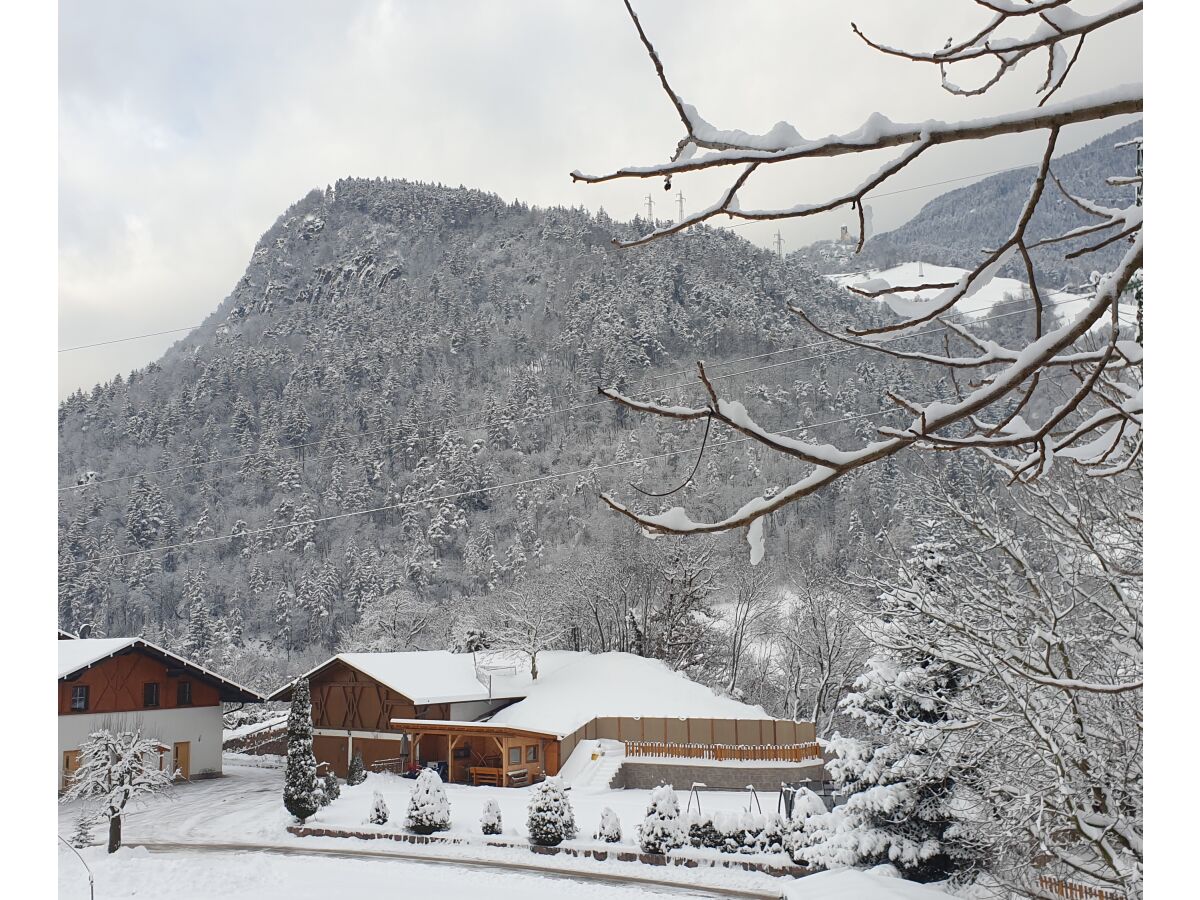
(116, 685)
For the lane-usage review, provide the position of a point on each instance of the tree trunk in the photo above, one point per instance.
(114, 833)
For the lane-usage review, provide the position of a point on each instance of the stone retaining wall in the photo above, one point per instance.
(624, 855)
(650, 773)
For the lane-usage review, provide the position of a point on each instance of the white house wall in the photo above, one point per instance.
(201, 726)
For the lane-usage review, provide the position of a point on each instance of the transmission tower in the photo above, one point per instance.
(650, 207)
(779, 242)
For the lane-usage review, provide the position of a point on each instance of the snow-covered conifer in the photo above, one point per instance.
(661, 831)
(490, 820)
(82, 835)
(356, 773)
(610, 827)
(330, 787)
(300, 788)
(379, 810)
(428, 808)
(550, 820)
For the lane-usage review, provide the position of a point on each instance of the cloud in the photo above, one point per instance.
(186, 128)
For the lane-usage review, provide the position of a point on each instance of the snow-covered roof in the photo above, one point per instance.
(76, 655)
(425, 676)
(578, 687)
(572, 687)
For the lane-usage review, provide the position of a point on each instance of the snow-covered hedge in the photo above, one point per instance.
(733, 832)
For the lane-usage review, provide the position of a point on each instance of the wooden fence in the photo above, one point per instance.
(1074, 891)
(755, 752)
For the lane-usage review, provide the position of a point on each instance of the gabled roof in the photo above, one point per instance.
(75, 656)
(423, 676)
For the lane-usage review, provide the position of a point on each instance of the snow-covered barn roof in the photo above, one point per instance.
(423, 676)
(82, 653)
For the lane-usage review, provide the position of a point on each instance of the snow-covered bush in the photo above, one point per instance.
(661, 831)
(806, 807)
(737, 832)
(330, 788)
(356, 773)
(379, 810)
(490, 820)
(428, 808)
(301, 792)
(610, 827)
(551, 819)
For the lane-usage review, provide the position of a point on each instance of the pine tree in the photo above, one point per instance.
(428, 808)
(356, 773)
(610, 827)
(82, 835)
(661, 831)
(330, 787)
(300, 789)
(550, 819)
(490, 820)
(379, 810)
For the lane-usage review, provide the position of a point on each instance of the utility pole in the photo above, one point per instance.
(679, 196)
(650, 208)
(779, 243)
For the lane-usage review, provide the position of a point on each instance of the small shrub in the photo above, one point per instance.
(379, 810)
(661, 831)
(428, 808)
(490, 820)
(610, 827)
(551, 819)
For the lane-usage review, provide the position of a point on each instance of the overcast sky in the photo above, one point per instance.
(186, 128)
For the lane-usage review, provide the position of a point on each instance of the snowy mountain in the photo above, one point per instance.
(954, 228)
(421, 364)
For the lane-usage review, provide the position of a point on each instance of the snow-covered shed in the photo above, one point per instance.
(130, 683)
(484, 719)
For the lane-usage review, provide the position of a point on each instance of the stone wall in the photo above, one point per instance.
(650, 773)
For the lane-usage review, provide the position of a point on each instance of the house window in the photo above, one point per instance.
(531, 753)
(183, 693)
(79, 698)
(150, 694)
(514, 756)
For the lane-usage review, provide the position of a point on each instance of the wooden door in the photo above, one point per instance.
(70, 764)
(183, 759)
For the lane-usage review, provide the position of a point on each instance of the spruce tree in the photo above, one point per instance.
(550, 818)
(379, 810)
(428, 808)
(661, 831)
(300, 789)
(356, 773)
(610, 827)
(330, 788)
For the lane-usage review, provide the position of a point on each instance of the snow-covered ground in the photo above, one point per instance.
(993, 298)
(246, 807)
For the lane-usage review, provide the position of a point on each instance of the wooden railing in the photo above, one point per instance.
(742, 752)
(1073, 891)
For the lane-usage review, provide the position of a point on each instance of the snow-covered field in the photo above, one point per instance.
(246, 807)
(993, 298)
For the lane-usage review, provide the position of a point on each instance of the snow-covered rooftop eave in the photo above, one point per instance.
(414, 724)
(133, 643)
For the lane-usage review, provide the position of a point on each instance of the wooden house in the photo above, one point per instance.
(121, 683)
(486, 721)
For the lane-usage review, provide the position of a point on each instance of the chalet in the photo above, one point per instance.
(127, 682)
(486, 721)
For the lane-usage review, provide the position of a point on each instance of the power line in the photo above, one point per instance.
(550, 398)
(136, 337)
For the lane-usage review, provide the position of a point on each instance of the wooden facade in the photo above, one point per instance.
(119, 685)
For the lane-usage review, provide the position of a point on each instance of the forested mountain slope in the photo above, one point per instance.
(957, 227)
(431, 355)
